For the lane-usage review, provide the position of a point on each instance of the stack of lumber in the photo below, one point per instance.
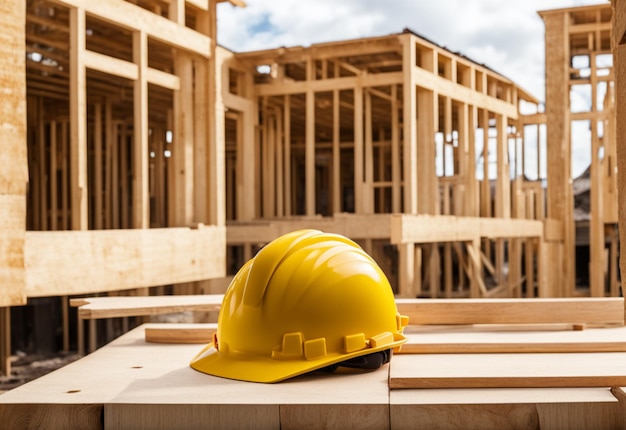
(492, 364)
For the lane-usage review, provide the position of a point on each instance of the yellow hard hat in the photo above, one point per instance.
(308, 300)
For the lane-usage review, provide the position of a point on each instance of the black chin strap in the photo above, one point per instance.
(367, 362)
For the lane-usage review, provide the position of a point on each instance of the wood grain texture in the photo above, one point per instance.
(73, 262)
(545, 408)
(148, 385)
(187, 333)
(512, 311)
(122, 306)
(507, 339)
(546, 370)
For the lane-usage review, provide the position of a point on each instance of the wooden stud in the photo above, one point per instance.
(409, 123)
(559, 193)
(78, 115)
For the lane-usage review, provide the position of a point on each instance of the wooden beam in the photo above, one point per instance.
(508, 370)
(409, 124)
(78, 121)
(135, 18)
(141, 194)
(559, 192)
(513, 311)
(110, 260)
(127, 306)
(619, 9)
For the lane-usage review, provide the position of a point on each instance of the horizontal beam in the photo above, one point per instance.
(127, 15)
(352, 226)
(299, 87)
(458, 92)
(513, 311)
(92, 261)
(407, 228)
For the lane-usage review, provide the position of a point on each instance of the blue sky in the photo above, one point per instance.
(507, 36)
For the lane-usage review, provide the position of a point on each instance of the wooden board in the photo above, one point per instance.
(513, 311)
(508, 339)
(133, 384)
(123, 306)
(182, 333)
(80, 262)
(483, 409)
(546, 370)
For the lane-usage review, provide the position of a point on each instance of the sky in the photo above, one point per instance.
(507, 36)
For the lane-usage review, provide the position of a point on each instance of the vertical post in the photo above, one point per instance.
(619, 61)
(396, 203)
(309, 154)
(336, 185)
(78, 120)
(141, 198)
(409, 145)
(217, 131)
(560, 202)
(287, 156)
(368, 186)
(358, 149)
(97, 167)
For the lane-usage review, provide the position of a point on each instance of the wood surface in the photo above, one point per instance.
(182, 333)
(513, 311)
(124, 306)
(134, 384)
(619, 52)
(72, 262)
(502, 408)
(132, 389)
(483, 339)
(13, 157)
(514, 370)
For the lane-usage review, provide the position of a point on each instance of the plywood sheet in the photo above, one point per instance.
(546, 370)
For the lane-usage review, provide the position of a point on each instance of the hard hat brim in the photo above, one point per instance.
(244, 367)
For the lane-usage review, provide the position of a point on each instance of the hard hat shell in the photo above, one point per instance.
(307, 300)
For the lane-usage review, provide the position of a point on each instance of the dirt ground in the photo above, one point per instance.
(26, 367)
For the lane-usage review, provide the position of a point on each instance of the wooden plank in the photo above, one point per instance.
(182, 333)
(13, 157)
(509, 339)
(495, 409)
(560, 202)
(111, 260)
(543, 370)
(78, 121)
(135, 18)
(140, 193)
(513, 311)
(126, 306)
(137, 391)
(12, 239)
(407, 228)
